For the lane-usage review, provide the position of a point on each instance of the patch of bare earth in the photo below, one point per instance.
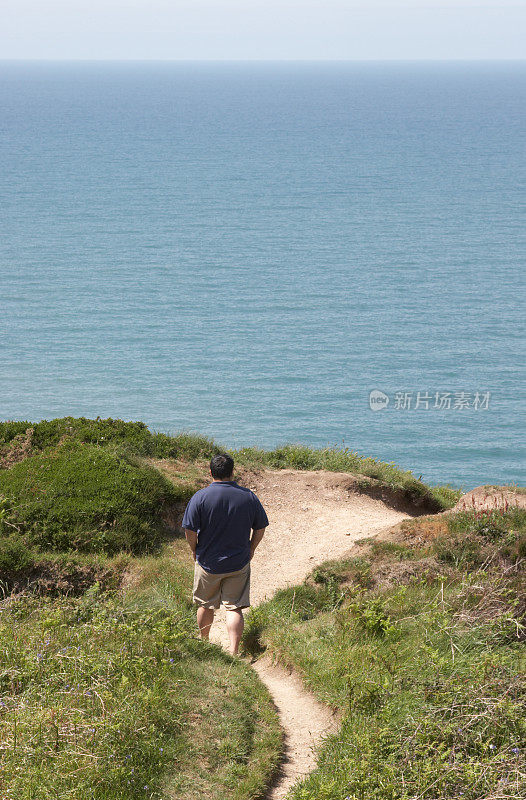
(314, 517)
(490, 498)
(304, 720)
(18, 449)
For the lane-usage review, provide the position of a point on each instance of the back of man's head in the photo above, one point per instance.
(222, 467)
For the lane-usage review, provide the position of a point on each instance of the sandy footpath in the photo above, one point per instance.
(314, 516)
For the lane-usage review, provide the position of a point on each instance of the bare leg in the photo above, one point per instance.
(234, 625)
(205, 617)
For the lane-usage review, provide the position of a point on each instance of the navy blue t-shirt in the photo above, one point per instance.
(223, 515)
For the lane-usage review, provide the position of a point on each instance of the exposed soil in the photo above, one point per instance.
(314, 517)
(305, 722)
(48, 577)
(489, 498)
(18, 449)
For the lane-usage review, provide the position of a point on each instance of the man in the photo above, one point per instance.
(223, 523)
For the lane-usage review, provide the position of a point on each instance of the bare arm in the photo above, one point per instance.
(191, 538)
(255, 540)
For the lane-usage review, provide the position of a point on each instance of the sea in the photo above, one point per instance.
(330, 254)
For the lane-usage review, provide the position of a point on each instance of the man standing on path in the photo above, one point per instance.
(223, 523)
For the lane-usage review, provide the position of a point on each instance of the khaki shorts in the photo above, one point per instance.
(229, 589)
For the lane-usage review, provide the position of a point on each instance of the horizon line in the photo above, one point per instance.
(261, 60)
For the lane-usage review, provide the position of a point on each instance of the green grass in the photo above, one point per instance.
(342, 459)
(80, 499)
(429, 673)
(105, 691)
(136, 438)
(110, 696)
(80, 487)
(482, 539)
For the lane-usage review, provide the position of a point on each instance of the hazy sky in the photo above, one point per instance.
(262, 29)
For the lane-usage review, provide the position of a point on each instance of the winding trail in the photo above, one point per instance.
(314, 516)
(304, 720)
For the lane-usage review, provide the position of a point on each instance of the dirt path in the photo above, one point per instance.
(314, 516)
(304, 720)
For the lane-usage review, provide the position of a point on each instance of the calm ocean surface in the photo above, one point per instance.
(248, 250)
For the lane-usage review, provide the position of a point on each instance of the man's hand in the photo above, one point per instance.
(255, 540)
(191, 538)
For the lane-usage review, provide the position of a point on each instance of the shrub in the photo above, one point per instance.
(133, 436)
(459, 551)
(491, 523)
(88, 498)
(372, 614)
(476, 537)
(14, 554)
(357, 571)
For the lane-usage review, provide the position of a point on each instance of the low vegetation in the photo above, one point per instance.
(18, 439)
(419, 641)
(105, 691)
(107, 694)
(342, 459)
(110, 695)
(86, 498)
(68, 510)
(135, 437)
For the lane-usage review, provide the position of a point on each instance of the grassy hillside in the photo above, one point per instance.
(86, 498)
(133, 436)
(73, 510)
(419, 641)
(77, 496)
(110, 696)
(105, 691)
(17, 439)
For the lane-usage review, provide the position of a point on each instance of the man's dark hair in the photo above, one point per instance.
(221, 466)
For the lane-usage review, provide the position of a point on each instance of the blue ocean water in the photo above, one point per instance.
(248, 250)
